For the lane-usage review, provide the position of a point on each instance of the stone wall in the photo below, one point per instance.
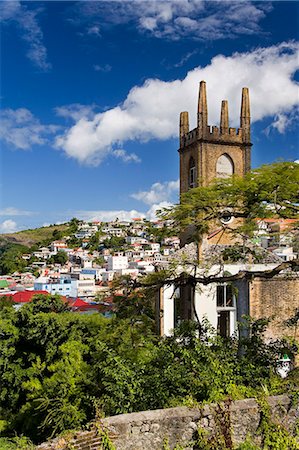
(276, 298)
(148, 430)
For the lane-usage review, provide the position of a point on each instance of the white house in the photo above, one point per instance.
(83, 285)
(107, 276)
(155, 246)
(61, 286)
(117, 263)
(136, 240)
(215, 302)
(58, 245)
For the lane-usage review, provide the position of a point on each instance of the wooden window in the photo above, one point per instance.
(226, 309)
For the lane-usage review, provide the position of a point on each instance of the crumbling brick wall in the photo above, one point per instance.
(278, 299)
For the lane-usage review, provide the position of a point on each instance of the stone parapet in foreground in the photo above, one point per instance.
(148, 430)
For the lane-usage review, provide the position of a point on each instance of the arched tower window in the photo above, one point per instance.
(192, 173)
(224, 166)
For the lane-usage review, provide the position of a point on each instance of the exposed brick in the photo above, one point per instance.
(276, 298)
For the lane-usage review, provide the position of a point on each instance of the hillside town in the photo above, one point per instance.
(82, 266)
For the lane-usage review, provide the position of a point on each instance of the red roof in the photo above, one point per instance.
(81, 305)
(77, 302)
(25, 296)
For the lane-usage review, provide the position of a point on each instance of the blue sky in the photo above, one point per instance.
(91, 93)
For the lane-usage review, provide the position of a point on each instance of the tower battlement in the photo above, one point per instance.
(209, 152)
(213, 134)
(222, 134)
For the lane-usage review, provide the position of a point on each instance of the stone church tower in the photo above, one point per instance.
(211, 152)
(208, 152)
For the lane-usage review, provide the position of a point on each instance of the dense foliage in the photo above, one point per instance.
(11, 258)
(269, 191)
(59, 368)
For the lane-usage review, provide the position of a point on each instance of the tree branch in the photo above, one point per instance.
(186, 279)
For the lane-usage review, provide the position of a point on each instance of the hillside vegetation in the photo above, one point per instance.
(14, 245)
(34, 236)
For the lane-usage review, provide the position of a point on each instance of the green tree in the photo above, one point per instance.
(94, 241)
(74, 224)
(57, 234)
(60, 258)
(11, 258)
(115, 243)
(270, 191)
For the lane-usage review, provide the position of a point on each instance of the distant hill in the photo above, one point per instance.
(35, 236)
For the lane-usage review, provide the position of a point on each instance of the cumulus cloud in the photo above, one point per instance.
(151, 214)
(8, 226)
(151, 111)
(126, 157)
(21, 129)
(15, 12)
(159, 192)
(11, 211)
(176, 19)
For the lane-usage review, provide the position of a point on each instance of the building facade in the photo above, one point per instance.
(207, 153)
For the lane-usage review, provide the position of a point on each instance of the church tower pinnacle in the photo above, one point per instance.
(209, 152)
(245, 115)
(202, 112)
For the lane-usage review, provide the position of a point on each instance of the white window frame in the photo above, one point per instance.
(232, 310)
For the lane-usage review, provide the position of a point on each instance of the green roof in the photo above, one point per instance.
(3, 284)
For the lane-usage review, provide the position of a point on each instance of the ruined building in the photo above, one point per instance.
(207, 153)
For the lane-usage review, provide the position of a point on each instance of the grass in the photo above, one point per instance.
(33, 236)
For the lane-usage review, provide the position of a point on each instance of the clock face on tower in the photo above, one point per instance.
(224, 167)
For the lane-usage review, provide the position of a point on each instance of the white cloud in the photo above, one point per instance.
(94, 30)
(11, 211)
(283, 121)
(176, 19)
(105, 68)
(151, 214)
(26, 20)
(151, 111)
(8, 226)
(107, 216)
(126, 157)
(185, 58)
(22, 130)
(75, 111)
(159, 192)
